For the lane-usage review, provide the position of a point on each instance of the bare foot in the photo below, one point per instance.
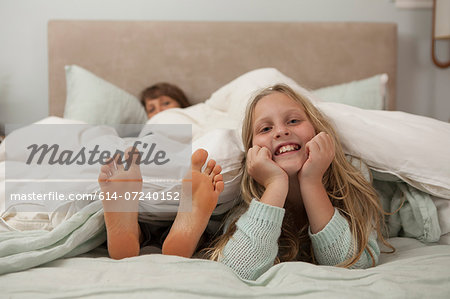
(121, 215)
(189, 226)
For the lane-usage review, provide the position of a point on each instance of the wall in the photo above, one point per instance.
(422, 88)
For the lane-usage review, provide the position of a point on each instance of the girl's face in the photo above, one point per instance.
(281, 125)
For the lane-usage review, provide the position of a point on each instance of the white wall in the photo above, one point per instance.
(422, 88)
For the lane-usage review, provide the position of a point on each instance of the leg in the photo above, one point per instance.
(121, 216)
(188, 227)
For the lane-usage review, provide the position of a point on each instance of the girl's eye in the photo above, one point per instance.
(151, 109)
(166, 103)
(293, 121)
(265, 129)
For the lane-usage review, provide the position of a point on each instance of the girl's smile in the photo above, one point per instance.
(286, 148)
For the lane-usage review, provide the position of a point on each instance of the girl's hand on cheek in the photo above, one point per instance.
(262, 168)
(320, 150)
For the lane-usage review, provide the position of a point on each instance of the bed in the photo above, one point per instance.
(99, 67)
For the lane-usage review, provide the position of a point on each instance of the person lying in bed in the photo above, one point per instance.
(163, 96)
(302, 199)
(124, 234)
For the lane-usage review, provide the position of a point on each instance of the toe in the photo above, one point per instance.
(216, 170)
(135, 156)
(118, 163)
(107, 169)
(198, 159)
(209, 167)
(103, 176)
(219, 187)
(218, 177)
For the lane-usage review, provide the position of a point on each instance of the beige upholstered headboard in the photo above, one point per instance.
(200, 57)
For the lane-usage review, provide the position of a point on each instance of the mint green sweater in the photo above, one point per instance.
(252, 249)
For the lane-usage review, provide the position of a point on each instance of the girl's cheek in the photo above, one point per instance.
(258, 141)
(254, 140)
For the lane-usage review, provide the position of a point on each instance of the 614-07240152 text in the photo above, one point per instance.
(169, 195)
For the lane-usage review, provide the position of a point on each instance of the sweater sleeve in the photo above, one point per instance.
(252, 249)
(334, 244)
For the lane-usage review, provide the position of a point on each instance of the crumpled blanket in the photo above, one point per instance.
(84, 231)
(413, 213)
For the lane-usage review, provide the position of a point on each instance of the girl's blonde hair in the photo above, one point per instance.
(346, 187)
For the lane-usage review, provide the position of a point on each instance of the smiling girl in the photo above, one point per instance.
(303, 200)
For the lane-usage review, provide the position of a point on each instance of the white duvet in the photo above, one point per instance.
(83, 179)
(413, 148)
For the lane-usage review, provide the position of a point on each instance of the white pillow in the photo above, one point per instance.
(369, 93)
(413, 148)
(233, 97)
(96, 101)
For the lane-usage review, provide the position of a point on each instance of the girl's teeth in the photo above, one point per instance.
(286, 148)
